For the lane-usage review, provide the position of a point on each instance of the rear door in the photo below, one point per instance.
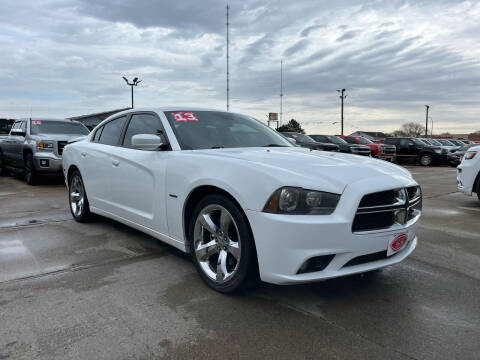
(138, 176)
(97, 164)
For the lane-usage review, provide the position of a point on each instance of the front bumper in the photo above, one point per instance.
(466, 174)
(285, 242)
(47, 163)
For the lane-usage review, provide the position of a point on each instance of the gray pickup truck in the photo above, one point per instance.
(35, 146)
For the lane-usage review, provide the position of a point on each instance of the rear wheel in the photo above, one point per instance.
(426, 160)
(77, 198)
(3, 166)
(221, 244)
(477, 188)
(31, 176)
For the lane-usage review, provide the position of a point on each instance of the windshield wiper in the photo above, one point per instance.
(274, 145)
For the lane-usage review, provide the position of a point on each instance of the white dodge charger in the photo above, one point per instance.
(242, 199)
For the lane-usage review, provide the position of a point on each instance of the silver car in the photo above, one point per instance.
(35, 146)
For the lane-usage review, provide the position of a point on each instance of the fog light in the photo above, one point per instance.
(44, 162)
(400, 216)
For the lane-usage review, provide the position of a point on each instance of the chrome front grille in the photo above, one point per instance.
(384, 209)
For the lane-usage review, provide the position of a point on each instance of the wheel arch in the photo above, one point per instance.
(475, 184)
(194, 197)
(70, 171)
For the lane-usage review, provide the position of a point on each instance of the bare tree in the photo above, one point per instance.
(411, 130)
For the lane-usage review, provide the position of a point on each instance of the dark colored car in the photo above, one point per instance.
(456, 157)
(413, 150)
(381, 151)
(306, 141)
(344, 146)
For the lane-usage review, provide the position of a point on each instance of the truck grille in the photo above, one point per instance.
(61, 145)
(360, 150)
(382, 210)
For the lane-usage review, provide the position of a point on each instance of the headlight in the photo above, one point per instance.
(469, 155)
(438, 151)
(45, 145)
(298, 201)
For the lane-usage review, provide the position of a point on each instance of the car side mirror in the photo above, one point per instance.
(411, 144)
(293, 141)
(17, 132)
(146, 142)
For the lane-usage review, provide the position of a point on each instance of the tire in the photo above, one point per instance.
(477, 188)
(3, 166)
(77, 198)
(229, 263)
(426, 160)
(31, 176)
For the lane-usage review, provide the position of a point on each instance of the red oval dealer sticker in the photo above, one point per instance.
(398, 242)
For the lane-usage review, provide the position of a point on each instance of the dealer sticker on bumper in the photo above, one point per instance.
(396, 244)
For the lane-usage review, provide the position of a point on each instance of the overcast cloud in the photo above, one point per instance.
(67, 57)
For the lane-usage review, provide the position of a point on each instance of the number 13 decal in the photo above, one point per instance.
(184, 116)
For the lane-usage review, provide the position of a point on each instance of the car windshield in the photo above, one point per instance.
(417, 141)
(196, 130)
(57, 127)
(364, 141)
(336, 140)
(456, 142)
(445, 142)
(5, 126)
(299, 137)
(433, 142)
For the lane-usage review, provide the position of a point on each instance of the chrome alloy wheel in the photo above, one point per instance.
(77, 196)
(217, 243)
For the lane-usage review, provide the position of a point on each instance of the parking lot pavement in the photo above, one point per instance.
(103, 290)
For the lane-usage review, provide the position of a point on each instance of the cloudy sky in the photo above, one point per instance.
(67, 57)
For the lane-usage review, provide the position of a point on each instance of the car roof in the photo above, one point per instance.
(166, 108)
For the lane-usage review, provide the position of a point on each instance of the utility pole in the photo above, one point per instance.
(135, 82)
(281, 91)
(228, 60)
(426, 120)
(342, 97)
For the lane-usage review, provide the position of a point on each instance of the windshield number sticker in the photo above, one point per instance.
(184, 116)
(36, 122)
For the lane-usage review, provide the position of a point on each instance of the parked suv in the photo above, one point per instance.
(306, 141)
(468, 172)
(35, 147)
(344, 146)
(381, 151)
(411, 149)
(5, 126)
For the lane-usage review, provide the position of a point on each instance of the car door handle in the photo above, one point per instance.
(115, 162)
(84, 154)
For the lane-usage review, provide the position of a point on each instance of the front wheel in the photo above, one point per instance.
(426, 160)
(221, 244)
(31, 176)
(77, 198)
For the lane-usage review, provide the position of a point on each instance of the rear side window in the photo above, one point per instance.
(391, 141)
(142, 124)
(112, 131)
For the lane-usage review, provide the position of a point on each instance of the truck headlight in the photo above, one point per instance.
(45, 145)
(298, 201)
(469, 155)
(438, 151)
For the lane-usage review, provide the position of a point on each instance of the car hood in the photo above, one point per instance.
(327, 171)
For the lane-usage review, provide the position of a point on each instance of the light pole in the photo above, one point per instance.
(134, 82)
(426, 120)
(342, 96)
(431, 130)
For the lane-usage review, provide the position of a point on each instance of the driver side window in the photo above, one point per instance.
(143, 124)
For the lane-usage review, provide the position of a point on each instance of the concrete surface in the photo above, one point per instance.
(105, 291)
